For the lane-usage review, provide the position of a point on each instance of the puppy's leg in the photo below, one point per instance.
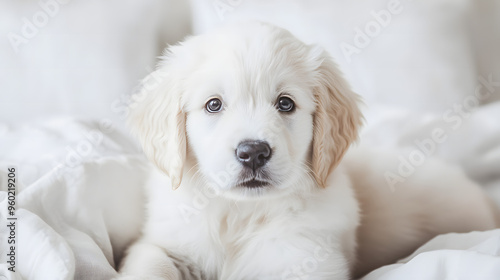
(148, 261)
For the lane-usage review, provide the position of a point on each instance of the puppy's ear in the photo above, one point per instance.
(157, 119)
(336, 120)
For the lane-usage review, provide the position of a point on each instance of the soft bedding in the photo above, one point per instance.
(465, 256)
(78, 200)
(79, 197)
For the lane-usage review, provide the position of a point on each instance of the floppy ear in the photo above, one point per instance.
(157, 119)
(336, 120)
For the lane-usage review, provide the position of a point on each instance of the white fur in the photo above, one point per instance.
(305, 224)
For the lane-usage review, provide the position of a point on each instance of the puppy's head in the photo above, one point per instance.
(248, 110)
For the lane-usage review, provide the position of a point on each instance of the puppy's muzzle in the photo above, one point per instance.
(253, 154)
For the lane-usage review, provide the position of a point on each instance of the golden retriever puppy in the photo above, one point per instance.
(251, 126)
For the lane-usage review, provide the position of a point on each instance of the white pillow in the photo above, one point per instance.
(78, 58)
(420, 58)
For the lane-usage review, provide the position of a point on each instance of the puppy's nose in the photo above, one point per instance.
(253, 154)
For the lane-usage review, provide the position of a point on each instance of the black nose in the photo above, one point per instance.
(253, 154)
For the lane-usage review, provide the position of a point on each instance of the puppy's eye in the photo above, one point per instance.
(285, 104)
(213, 105)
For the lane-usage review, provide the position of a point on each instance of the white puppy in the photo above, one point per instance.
(251, 125)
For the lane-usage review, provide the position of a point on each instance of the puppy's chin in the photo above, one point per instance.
(259, 190)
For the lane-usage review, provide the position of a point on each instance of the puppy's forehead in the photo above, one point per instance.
(255, 61)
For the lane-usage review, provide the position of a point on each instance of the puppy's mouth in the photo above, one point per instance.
(254, 184)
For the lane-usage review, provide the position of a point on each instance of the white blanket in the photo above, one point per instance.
(79, 198)
(466, 256)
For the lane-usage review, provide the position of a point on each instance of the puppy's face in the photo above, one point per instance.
(250, 119)
(241, 110)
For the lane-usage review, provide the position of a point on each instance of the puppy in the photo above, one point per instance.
(251, 126)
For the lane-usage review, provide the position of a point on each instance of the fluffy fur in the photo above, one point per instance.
(306, 223)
